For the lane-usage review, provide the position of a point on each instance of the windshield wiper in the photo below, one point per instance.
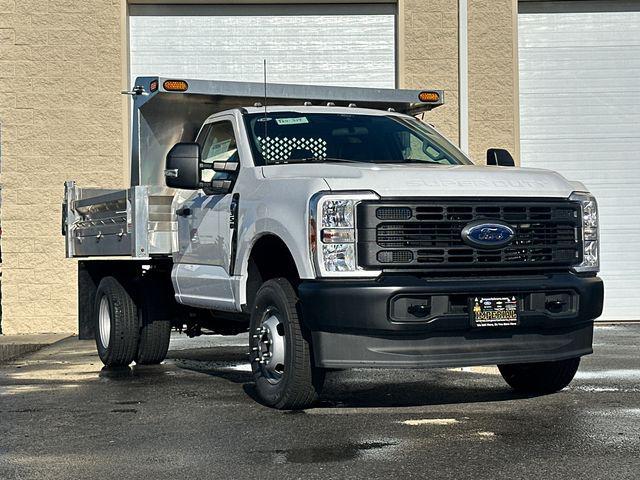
(417, 160)
(346, 160)
(322, 159)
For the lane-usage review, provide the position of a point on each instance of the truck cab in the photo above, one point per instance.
(340, 231)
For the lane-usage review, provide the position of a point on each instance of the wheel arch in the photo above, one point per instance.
(269, 257)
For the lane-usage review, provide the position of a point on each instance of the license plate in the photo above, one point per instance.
(494, 311)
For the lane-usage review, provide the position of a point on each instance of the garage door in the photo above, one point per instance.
(333, 45)
(580, 115)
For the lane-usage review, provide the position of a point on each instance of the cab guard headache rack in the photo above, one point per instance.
(167, 111)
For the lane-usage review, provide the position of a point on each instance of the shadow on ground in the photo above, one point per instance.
(358, 388)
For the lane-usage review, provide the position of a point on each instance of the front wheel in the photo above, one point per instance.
(544, 377)
(280, 350)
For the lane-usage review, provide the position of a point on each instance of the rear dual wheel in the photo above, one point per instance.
(117, 331)
(155, 322)
(126, 331)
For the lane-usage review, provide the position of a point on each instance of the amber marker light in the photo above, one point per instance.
(175, 85)
(429, 97)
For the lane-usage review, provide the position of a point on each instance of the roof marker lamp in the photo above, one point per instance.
(175, 85)
(590, 232)
(429, 97)
(332, 234)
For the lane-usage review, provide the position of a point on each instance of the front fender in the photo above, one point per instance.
(278, 207)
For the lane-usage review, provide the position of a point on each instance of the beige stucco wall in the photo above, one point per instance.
(61, 111)
(428, 41)
(428, 49)
(493, 77)
(62, 66)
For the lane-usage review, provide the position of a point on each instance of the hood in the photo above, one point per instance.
(432, 180)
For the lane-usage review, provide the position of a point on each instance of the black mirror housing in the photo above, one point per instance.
(182, 166)
(500, 157)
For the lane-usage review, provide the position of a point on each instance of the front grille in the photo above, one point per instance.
(428, 235)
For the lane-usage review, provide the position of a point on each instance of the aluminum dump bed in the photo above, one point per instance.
(136, 222)
(139, 222)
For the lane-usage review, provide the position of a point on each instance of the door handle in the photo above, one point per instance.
(183, 212)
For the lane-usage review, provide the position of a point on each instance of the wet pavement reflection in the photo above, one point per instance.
(65, 416)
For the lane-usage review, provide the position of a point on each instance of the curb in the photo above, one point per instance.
(15, 346)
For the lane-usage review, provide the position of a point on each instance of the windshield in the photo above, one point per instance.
(293, 137)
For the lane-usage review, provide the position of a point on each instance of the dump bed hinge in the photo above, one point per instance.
(137, 90)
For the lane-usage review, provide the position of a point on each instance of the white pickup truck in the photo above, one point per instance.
(337, 229)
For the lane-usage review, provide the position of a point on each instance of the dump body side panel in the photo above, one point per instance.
(137, 222)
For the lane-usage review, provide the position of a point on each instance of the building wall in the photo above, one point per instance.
(493, 77)
(63, 64)
(428, 37)
(61, 110)
(428, 41)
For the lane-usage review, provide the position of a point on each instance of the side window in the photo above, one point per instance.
(416, 148)
(202, 136)
(219, 146)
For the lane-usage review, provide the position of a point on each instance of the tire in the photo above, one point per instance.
(116, 323)
(155, 322)
(545, 377)
(286, 379)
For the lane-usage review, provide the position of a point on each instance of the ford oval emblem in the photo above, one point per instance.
(484, 234)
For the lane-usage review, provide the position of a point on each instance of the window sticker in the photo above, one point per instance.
(220, 147)
(292, 121)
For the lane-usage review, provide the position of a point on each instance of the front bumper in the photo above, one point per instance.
(364, 323)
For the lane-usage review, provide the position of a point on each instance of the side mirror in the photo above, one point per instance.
(500, 157)
(183, 166)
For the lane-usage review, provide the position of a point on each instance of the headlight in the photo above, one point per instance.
(332, 234)
(338, 213)
(590, 233)
(339, 257)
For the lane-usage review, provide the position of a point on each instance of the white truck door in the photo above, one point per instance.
(204, 229)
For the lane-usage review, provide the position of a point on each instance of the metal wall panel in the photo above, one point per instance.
(352, 48)
(580, 115)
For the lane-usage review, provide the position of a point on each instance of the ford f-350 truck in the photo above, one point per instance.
(340, 231)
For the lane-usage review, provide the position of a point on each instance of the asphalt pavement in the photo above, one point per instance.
(194, 417)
